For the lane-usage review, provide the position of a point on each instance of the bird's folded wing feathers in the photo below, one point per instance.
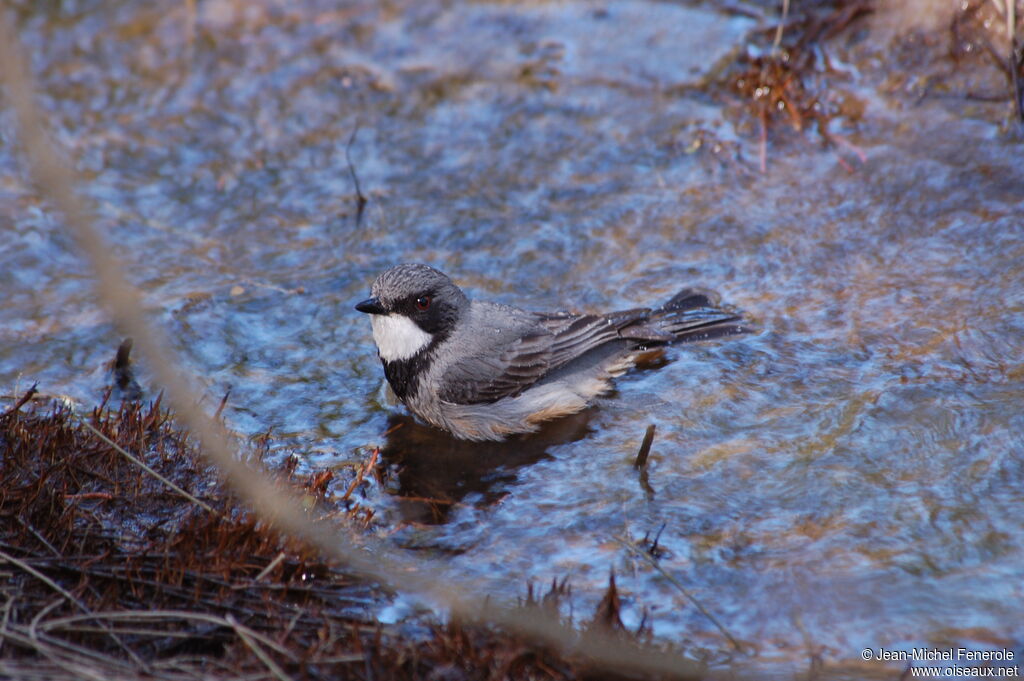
(574, 335)
(552, 341)
(489, 375)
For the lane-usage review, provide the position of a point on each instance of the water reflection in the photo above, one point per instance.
(437, 471)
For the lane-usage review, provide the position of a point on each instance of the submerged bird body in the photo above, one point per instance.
(483, 371)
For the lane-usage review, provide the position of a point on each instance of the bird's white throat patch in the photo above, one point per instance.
(397, 337)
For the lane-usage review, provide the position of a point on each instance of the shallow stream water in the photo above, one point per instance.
(849, 476)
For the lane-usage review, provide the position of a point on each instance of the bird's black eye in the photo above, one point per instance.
(423, 302)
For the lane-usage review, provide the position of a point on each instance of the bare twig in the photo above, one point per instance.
(67, 595)
(781, 26)
(22, 400)
(223, 403)
(360, 199)
(243, 633)
(270, 567)
(142, 464)
(361, 475)
(645, 448)
(1016, 59)
(162, 615)
(641, 461)
(44, 579)
(632, 548)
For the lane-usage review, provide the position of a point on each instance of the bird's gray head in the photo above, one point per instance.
(412, 306)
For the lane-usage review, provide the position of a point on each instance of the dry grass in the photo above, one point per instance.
(110, 573)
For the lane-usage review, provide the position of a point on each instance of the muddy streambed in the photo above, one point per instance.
(847, 477)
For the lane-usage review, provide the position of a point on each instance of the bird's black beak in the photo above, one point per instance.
(371, 306)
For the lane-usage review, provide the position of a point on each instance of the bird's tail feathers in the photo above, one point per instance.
(694, 315)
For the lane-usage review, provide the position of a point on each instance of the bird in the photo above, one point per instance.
(485, 371)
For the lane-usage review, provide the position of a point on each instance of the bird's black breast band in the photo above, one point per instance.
(404, 374)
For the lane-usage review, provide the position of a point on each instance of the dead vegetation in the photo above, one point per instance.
(784, 74)
(113, 571)
(783, 84)
(989, 28)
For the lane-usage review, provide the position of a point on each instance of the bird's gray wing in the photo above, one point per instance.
(498, 370)
(503, 362)
(576, 334)
(498, 351)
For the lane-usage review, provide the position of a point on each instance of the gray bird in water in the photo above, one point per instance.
(483, 371)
